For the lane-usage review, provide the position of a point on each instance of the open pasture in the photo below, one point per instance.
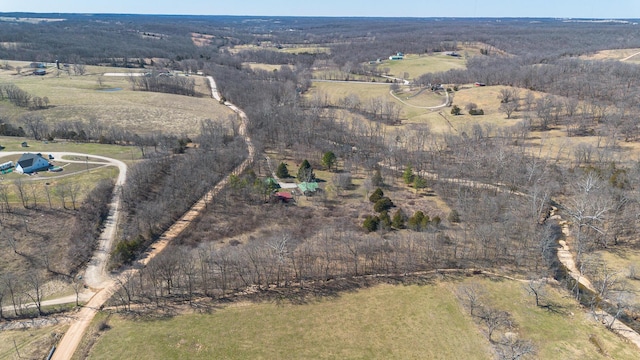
(415, 65)
(111, 101)
(383, 322)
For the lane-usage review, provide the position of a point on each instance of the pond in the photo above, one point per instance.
(110, 89)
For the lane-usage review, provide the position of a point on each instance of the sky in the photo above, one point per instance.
(599, 9)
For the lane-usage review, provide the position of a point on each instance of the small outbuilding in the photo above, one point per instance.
(30, 163)
(7, 165)
(283, 196)
(308, 188)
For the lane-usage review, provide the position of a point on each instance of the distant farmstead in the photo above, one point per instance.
(30, 163)
(397, 56)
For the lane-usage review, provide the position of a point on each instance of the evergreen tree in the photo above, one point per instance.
(282, 172)
(399, 219)
(305, 172)
(382, 205)
(376, 179)
(329, 159)
(419, 182)
(407, 175)
(417, 221)
(371, 223)
(385, 220)
(377, 195)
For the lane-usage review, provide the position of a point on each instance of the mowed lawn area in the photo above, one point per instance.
(383, 322)
(416, 65)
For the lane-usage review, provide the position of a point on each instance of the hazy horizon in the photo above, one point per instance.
(589, 9)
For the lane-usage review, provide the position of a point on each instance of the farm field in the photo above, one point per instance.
(112, 101)
(416, 65)
(383, 322)
(123, 153)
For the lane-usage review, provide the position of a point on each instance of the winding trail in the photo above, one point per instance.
(73, 336)
(423, 107)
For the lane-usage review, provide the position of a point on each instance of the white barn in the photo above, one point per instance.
(30, 163)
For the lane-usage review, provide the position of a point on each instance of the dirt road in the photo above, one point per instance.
(95, 274)
(73, 336)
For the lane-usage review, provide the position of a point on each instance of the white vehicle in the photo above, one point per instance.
(6, 166)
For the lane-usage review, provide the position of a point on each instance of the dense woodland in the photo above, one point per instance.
(491, 227)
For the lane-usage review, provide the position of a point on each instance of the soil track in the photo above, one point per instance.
(73, 336)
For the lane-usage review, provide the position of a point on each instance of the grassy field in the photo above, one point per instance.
(383, 322)
(557, 335)
(31, 343)
(72, 172)
(615, 54)
(286, 48)
(620, 262)
(124, 153)
(258, 66)
(416, 65)
(80, 98)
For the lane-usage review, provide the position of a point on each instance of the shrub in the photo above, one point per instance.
(383, 204)
(399, 219)
(419, 182)
(476, 112)
(455, 110)
(418, 222)
(371, 223)
(377, 195)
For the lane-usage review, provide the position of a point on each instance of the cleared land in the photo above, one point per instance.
(416, 65)
(31, 343)
(384, 322)
(630, 55)
(113, 102)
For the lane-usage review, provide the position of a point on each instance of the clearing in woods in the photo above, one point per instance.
(110, 100)
(384, 322)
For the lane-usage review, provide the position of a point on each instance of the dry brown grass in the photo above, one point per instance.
(614, 54)
(77, 98)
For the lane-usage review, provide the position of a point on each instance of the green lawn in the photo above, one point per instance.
(557, 335)
(384, 322)
(416, 65)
